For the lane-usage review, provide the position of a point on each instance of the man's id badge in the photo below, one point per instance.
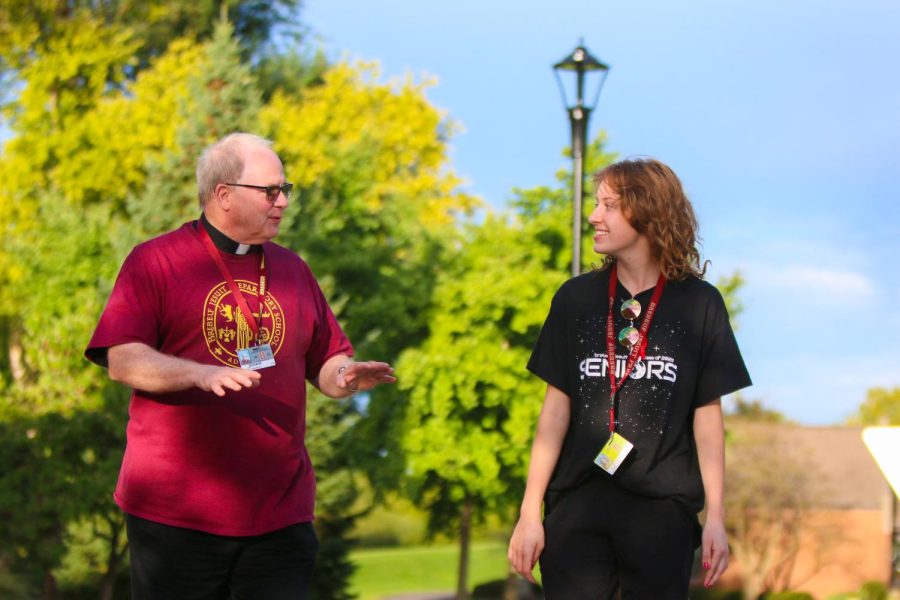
(613, 453)
(255, 358)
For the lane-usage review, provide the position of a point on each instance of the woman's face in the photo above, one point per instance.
(613, 234)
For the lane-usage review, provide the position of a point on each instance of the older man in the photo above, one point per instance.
(216, 329)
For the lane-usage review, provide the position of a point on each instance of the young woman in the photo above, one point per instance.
(630, 443)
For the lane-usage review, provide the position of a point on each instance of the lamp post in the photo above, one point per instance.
(581, 63)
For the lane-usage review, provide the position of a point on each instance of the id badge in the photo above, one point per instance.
(613, 453)
(255, 358)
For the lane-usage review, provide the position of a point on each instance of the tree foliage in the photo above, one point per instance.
(730, 287)
(754, 411)
(57, 469)
(471, 407)
(28, 28)
(374, 201)
(218, 98)
(880, 408)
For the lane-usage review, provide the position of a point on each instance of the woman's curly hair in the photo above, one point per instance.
(655, 204)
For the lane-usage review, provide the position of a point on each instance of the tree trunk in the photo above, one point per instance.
(113, 564)
(752, 587)
(465, 530)
(16, 362)
(49, 591)
(113, 561)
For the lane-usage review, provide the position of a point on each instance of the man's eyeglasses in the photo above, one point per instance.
(271, 191)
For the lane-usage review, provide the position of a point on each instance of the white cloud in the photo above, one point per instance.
(819, 285)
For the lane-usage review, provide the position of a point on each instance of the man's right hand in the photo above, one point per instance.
(219, 379)
(144, 368)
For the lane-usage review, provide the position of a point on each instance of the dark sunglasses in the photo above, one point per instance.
(271, 191)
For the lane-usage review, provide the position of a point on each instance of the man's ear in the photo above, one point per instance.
(222, 195)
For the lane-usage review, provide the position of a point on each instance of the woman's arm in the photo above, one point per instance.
(709, 435)
(527, 541)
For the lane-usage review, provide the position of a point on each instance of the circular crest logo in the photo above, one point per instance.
(225, 328)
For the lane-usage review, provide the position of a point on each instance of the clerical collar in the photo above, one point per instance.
(225, 243)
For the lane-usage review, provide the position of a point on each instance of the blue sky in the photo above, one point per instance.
(782, 118)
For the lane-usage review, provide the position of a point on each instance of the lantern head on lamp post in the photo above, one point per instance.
(583, 65)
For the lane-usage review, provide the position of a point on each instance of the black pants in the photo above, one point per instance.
(172, 563)
(600, 538)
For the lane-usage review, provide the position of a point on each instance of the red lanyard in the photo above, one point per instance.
(254, 323)
(636, 350)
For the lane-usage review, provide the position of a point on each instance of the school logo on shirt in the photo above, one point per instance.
(225, 328)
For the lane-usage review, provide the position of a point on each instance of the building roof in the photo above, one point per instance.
(840, 471)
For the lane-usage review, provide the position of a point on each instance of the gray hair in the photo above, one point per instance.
(223, 162)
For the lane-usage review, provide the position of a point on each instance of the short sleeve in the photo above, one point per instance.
(328, 339)
(132, 313)
(722, 368)
(548, 358)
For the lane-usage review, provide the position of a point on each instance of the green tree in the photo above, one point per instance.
(468, 416)
(730, 286)
(471, 407)
(219, 98)
(60, 428)
(753, 411)
(29, 27)
(67, 460)
(880, 408)
(59, 470)
(289, 72)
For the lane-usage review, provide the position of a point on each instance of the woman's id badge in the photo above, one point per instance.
(613, 453)
(255, 358)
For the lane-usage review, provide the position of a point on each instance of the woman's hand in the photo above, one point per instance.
(525, 546)
(715, 550)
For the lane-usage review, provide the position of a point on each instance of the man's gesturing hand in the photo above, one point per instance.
(219, 379)
(362, 376)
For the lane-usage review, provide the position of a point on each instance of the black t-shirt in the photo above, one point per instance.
(691, 359)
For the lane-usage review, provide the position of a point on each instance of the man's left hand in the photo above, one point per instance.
(361, 376)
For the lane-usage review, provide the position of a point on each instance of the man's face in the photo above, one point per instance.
(253, 219)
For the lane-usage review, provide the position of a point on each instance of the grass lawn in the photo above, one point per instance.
(382, 572)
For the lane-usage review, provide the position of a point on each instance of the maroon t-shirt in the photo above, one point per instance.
(235, 465)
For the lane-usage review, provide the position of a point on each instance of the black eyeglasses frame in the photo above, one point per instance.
(271, 191)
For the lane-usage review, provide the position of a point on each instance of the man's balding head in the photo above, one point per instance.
(223, 162)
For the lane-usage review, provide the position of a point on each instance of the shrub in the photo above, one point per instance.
(715, 594)
(873, 590)
(788, 596)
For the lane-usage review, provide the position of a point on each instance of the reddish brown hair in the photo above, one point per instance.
(655, 204)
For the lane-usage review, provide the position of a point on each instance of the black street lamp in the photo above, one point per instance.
(581, 63)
